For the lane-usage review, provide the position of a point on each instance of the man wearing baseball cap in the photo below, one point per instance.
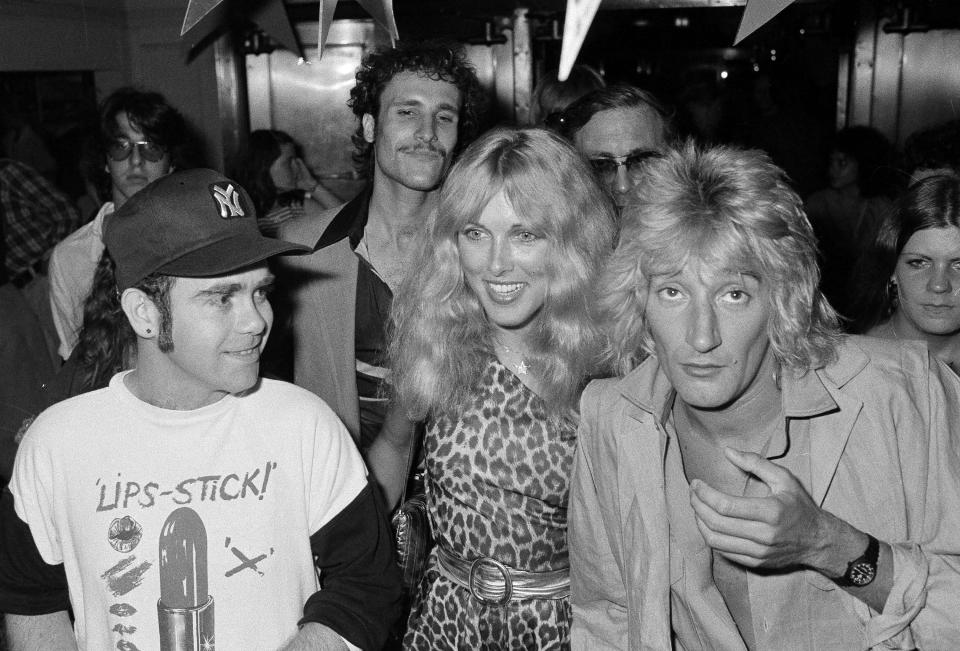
(191, 503)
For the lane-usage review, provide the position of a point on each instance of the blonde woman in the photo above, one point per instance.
(493, 344)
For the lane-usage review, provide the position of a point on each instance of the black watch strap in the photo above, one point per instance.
(862, 570)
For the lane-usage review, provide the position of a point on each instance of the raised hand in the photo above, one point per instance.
(784, 528)
(302, 175)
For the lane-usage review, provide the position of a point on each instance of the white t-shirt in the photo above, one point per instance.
(207, 511)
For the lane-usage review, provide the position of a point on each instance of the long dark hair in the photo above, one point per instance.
(149, 113)
(253, 167)
(932, 202)
(107, 343)
(106, 338)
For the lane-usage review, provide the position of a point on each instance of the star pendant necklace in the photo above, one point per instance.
(522, 367)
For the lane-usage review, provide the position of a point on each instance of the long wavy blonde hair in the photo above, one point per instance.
(441, 335)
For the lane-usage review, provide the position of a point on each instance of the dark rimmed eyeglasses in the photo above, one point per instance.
(121, 148)
(608, 166)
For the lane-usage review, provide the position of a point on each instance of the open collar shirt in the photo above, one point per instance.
(72, 267)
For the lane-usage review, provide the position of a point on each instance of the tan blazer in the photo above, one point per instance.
(322, 288)
(874, 438)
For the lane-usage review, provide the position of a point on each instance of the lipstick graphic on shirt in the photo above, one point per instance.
(185, 607)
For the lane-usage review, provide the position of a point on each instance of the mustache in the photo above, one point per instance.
(428, 147)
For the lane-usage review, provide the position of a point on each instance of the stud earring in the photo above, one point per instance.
(149, 331)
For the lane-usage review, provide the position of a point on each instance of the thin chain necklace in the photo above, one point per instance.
(896, 333)
(893, 327)
(522, 367)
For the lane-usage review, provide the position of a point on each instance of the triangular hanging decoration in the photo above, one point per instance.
(327, 7)
(579, 16)
(202, 20)
(380, 10)
(271, 17)
(196, 11)
(756, 14)
(204, 17)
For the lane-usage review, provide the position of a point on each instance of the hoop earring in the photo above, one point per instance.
(893, 294)
(893, 300)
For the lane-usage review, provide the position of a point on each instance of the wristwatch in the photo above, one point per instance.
(861, 571)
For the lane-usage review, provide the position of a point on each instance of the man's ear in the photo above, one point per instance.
(143, 315)
(369, 127)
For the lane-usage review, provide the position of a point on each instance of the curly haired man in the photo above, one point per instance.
(417, 105)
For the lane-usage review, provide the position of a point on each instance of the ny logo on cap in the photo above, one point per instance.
(228, 201)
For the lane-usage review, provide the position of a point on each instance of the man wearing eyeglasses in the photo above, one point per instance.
(142, 138)
(619, 129)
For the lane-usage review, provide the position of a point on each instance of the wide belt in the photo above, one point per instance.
(492, 582)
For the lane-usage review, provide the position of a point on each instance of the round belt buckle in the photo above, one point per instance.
(472, 582)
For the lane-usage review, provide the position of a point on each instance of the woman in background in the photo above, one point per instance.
(913, 287)
(493, 343)
(279, 182)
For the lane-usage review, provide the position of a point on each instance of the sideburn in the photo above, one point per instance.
(157, 287)
(165, 336)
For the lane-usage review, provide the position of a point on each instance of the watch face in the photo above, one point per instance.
(862, 573)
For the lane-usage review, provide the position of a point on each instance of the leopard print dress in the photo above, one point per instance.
(498, 478)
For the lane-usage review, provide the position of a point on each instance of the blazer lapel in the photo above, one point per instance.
(828, 438)
(647, 394)
(639, 447)
(832, 413)
(641, 478)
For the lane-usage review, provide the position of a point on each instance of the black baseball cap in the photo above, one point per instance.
(195, 223)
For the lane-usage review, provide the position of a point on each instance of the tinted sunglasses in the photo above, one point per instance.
(609, 166)
(121, 148)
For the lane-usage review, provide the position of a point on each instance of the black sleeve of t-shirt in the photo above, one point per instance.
(28, 584)
(360, 591)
